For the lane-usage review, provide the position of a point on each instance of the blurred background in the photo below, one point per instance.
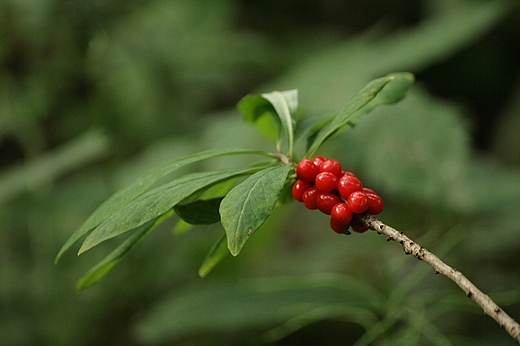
(95, 93)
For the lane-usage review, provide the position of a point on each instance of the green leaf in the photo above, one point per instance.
(248, 205)
(156, 202)
(285, 103)
(386, 90)
(308, 125)
(217, 252)
(286, 195)
(393, 91)
(201, 212)
(109, 262)
(270, 111)
(217, 190)
(138, 187)
(258, 110)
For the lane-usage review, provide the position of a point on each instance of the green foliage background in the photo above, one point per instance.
(95, 93)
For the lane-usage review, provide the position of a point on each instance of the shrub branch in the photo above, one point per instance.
(412, 248)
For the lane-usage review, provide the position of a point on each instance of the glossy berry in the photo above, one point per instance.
(326, 201)
(359, 228)
(332, 166)
(299, 188)
(375, 203)
(323, 185)
(318, 160)
(309, 198)
(367, 191)
(339, 227)
(358, 202)
(341, 213)
(307, 171)
(348, 184)
(326, 182)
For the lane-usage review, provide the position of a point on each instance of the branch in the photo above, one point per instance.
(412, 248)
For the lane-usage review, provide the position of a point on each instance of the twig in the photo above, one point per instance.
(412, 248)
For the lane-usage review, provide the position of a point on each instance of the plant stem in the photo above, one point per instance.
(412, 248)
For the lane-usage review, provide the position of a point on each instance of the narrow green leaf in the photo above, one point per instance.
(385, 90)
(109, 262)
(394, 91)
(285, 103)
(217, 252)
(156, 202)
(138, 187)
(247, 205)
(201, 212)
(308, 125)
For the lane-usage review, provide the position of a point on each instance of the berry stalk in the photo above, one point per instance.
(412, 248)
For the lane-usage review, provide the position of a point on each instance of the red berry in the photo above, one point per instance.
(341, 213)
(326, 182)
(358, 202)
(307, 170)
(299, 188)
(359, 228)
(339, 227)
(349, 173)
(375, 203)
(318, 160)
(309, 198)
(347, 184)
(367, 191)
(325, 201)
(332, 166)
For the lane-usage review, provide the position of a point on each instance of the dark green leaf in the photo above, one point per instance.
(385, 90)
(285, 195)
(138, 187)
(217, 190)
(217, 252)
(201, 212)
(247, 206)
(109, 262)
(156, 202)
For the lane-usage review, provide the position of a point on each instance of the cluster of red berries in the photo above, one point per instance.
(322, 184)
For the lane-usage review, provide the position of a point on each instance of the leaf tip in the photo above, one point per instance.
(57, 258)
(202, 273)
(233, 247)
(84, 247)
(79, 287)
(405, 76)
(234, 252)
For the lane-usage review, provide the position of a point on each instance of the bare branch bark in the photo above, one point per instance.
(412, 248)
